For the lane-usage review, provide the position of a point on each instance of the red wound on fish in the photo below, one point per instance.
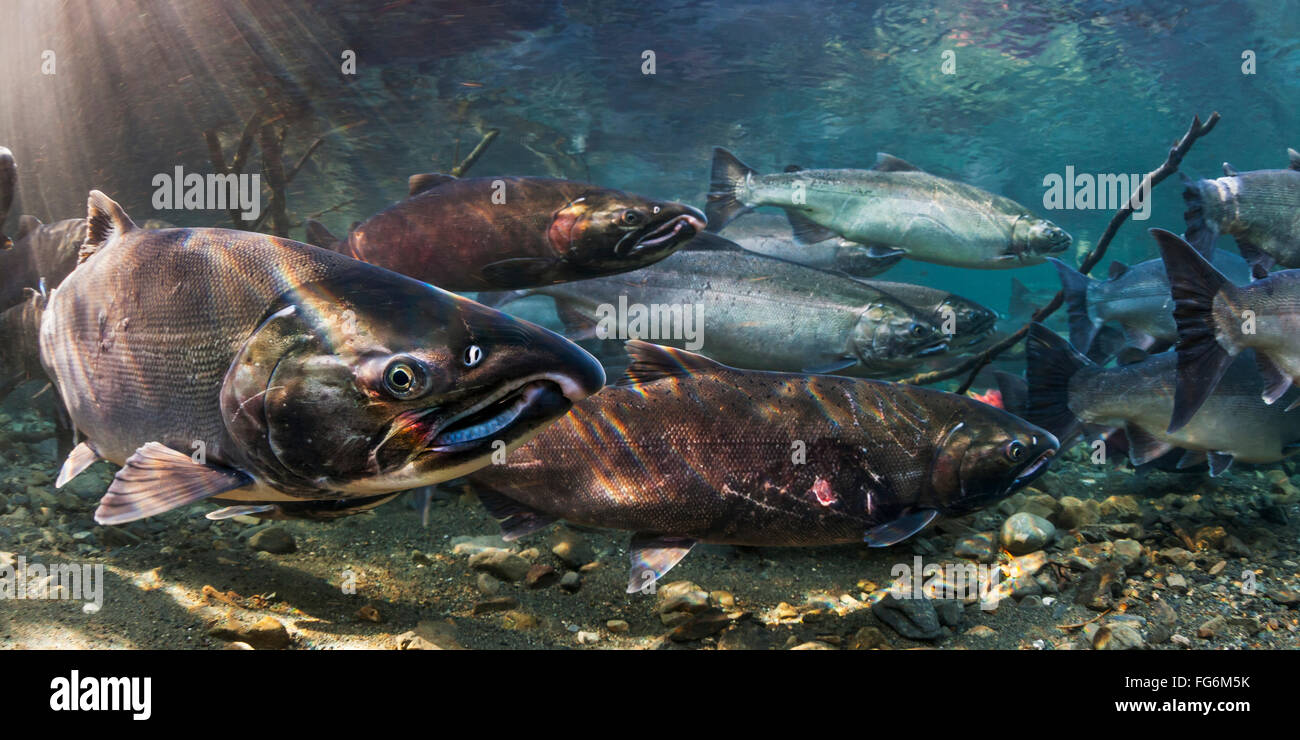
(821, 488)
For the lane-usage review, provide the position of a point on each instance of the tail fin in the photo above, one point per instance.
(729, 177)
(1050, 363)
(1015, 392)
(1199, 233)
(1201, 359)
(319, 236)
(1083, 328)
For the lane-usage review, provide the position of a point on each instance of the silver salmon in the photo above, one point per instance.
(894, 207)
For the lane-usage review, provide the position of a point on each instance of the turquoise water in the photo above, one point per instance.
(1101, 86)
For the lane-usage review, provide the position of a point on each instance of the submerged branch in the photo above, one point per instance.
(972, 366)
(460, 169)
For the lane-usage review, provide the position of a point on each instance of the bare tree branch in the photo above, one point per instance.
(1153, 178)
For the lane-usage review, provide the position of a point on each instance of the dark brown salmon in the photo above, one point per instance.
(226, 365)
(41, 252)
(496, 233)
(685, 450)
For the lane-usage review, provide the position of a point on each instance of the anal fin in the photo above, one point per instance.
(652, 556)
(1219, 462)
(1143, 447)
(157, 479)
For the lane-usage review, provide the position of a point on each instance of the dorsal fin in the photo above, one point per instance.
(890, 163)
(1294, 158)
(319, 236)
(26, 225)
(105, 219)
(426, 181)
(1117, 268)
(651, 362)
(1229, 170)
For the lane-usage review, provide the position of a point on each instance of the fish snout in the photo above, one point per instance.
(681, 224)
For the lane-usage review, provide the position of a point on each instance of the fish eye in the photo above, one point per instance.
(918, 330)
(403, 378)
(1016, 450)
(632, 217)
(473, 355)
(655, 211)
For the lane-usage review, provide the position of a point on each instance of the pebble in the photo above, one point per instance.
(571, 582)
(540, 576)
(472, 545)
(1208, 630)
(912, 618)
(617, 626)
(1024, 533)
(1176, 555)
(1123, 508)
(571, 548)
(722, 599)
(1176, 581)
(813, 645)
(980, 548)
(868, 638)
(517, 620)
(487, 584)
(588, 638)
(1128, 553)
(1118, 637)
(266, 634)
(982, 632)
(1076, 513)
(274, 540)
(501, 563)
(369, 613)
(420, 558)
(1041, 505)
(1099, 587)
(498, 604)
(681, 596)
(699, 626)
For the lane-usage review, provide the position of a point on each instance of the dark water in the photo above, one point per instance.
(1102, 86)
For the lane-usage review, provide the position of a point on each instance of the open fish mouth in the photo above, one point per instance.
(933, 349)
(535, 400)
(1035, 469)
(673, 231)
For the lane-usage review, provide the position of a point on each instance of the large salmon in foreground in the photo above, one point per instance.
(227, 365)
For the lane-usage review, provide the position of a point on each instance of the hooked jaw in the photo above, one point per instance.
(663, 236)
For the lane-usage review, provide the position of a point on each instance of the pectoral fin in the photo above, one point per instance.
(81, 457)
(807, 231)
(157, 479)
(905, 526)
(1276, 382)
(832, 365)
(653, 556)
(520, 272)
(516, 519)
